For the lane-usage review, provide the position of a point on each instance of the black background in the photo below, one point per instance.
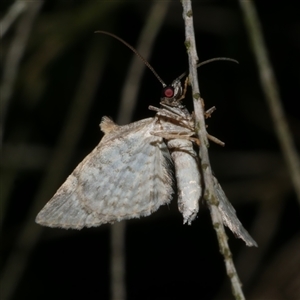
(164, 259)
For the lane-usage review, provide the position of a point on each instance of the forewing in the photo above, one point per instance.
(126, 176)
(229, 216)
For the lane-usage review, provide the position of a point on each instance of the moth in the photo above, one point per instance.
(129, 174)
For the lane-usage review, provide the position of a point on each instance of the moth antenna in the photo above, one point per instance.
(151, 68)
(136, 52)
(207, 62)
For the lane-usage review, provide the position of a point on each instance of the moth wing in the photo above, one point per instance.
(229, 216)
(126, 176)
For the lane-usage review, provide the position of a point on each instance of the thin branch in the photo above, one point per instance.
(209, 194)
(128, 102)
(271, 91)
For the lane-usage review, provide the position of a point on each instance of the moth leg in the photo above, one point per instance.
(173, 134)
(167, 113)
(184, 135)
(184, 89)
(202, 102)
(187, 136)
(177, 133)
(161, 112)
(208, 113)
(215, 140)
(182, 113)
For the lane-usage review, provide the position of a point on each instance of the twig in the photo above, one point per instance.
(128, 103)
(271, 91)
(209, 194)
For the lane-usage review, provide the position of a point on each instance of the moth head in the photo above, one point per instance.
(172, 94)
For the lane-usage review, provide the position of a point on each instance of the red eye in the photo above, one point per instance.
(169, 92)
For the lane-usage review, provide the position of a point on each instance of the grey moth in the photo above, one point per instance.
(129, 173)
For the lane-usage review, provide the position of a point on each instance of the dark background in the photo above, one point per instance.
(64, 62)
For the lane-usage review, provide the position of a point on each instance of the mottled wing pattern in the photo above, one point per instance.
(229, 216)
(126, 176)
